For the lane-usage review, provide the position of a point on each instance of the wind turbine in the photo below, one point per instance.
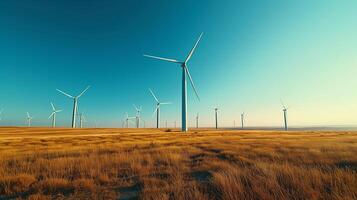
(29, 118)
(197, 120)
(1, 113)
(82, 119)
(185, 72)
(53, 115)
(242, 119)
(127, 118)
(75, 104)
(285, 111)
(138, 110)
(157, 110)
(216, 116)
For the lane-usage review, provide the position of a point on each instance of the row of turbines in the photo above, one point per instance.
(137, 118)
(184, 112)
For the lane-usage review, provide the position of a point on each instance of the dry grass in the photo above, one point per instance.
(41, 163)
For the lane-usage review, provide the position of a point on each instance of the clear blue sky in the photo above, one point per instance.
(252, 54)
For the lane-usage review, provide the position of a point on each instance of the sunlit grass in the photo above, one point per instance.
(40, 163)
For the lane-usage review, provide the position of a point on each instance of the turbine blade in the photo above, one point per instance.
(191, 81)
(153, 114)
(83, 91)
(28, 115)
(58, 111)
(152, 93)
(282, 103)
(53, 107)
(136, 108)
(193, 49)
(160, 58)
(65, 93)
(51, 114)
(165, 103)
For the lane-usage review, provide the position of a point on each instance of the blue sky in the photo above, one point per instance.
(252, 54)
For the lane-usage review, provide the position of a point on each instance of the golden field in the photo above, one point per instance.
(61, 163)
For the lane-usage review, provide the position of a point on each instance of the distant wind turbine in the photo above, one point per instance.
(285, 111)
(82, 119)
(29, 118)
(1, 113)
(138, 110)
(197, 120)
(53, 115)
(185, 72)
(216, 116)
(75, 104)
(127, 119)
(242, 119)
(157, 110)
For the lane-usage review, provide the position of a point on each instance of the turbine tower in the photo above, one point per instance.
(242, 119)
(75, 104)
(185, 72)
(29, 118)
(216, 116)
(157, 110)
(53, 115)
(138, 110)
(285, 111)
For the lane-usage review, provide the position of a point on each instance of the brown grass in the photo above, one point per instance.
(42, 163)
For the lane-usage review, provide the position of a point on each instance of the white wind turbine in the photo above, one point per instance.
(29, 118)
(1, 113)
(127, 118)
(82, 119)
(197, 120)
(157, 110)
(138, 110)
(242, 119)
(75, 104)
(53, 115)
(185, 72)
(285, 111)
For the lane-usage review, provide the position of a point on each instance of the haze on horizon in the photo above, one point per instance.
(252, 55)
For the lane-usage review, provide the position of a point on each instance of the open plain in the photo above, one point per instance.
(63, 163)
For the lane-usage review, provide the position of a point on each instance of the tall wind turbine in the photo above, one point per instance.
(285, 111)
(138, 110)
(75, 104)
(216, 116)
(157, 110)
(242, 119)
(53, 115)
(29, 118)
(185, 72)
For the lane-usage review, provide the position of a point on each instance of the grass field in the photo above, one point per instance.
(43, 163)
